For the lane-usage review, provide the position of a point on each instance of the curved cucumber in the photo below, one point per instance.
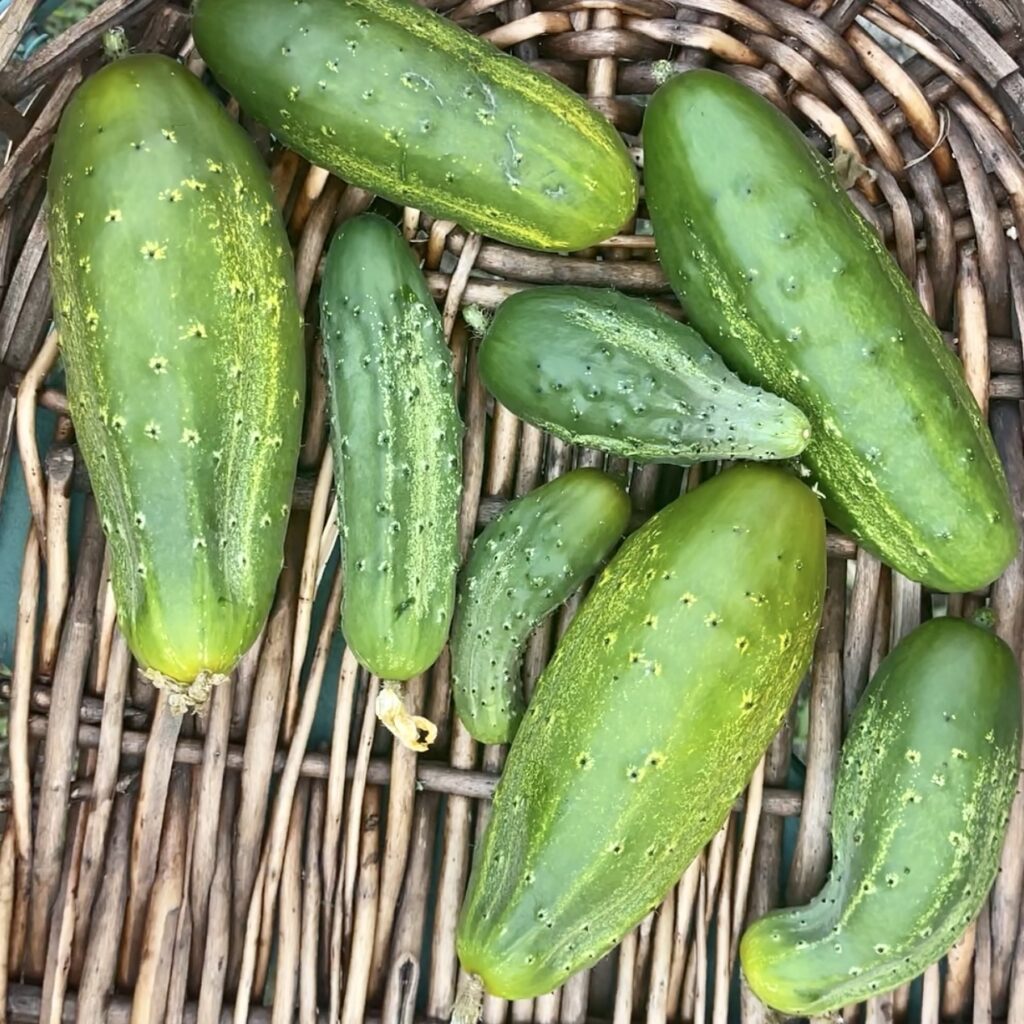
(401, 101)
(615, 373)
(778, 271)
(523, 566)
(647, 723)
(180, 332)
(397, 440)
(927, 776)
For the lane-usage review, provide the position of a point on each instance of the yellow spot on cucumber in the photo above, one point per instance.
(194, 330)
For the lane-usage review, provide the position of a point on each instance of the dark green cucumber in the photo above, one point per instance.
(397, 440)
(401, 101)
(606, 371)
(776, 268)
(928, 772)
(647, 723)
(180, 332)
(523, 566)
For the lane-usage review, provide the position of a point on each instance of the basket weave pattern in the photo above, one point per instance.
(204, 869)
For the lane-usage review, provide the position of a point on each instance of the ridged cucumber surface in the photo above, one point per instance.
(927, 775)
(523, 566)
(647, 723)
(779, 272)
(603, 370)
(181, 337)
(401, 101)
(397, 442)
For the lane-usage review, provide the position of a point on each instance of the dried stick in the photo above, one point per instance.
(25, 423)
(60, 750)
(99, 966)
(403, 977)
(62, 926)
(149, 998)
(622, 1012)
(213, 977)
(149, 821)
(206, 817)
(723, 938)
(350, 853)
(18, 715)
(745, 857)
(353, 1008)
(289, 927)
(661, 960)
(307, 587)
(401, 797)
(59, 466)
(105, 772)
(261, 736)
(347, 677)
(811, 857)
(7, 858)
(277, 832)
(312, 895)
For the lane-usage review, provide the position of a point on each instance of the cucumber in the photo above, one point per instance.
(403, 102)
(645, 726)
(397, 441)
(776, 268)
(927, 775)
(174, 297)
(523, 566)
(606, 371)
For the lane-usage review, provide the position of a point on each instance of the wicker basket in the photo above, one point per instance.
(278, 858)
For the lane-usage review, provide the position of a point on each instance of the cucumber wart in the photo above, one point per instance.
(180, 333)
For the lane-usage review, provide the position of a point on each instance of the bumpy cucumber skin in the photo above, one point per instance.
(600, 369)
(928, 773)
(400, 101)
(523, 566)
(778, 271)
(645, 726)
(180, 332)
(397, 441)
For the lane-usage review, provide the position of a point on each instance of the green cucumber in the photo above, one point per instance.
(397, 441)
(645, 726)
(776, 268)
(523, 566)
(927, 775)
(405, 103)
(606, 371)
(174, 297)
